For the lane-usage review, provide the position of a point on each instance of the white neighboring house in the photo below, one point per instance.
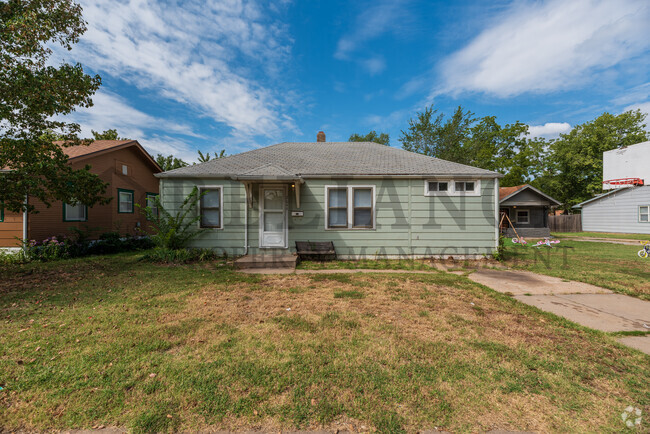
(625, 206)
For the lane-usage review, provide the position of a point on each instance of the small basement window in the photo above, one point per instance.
(125, 201)
(644, 214)
(75, 213)
(523, 216)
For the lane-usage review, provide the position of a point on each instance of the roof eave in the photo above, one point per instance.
(326, 176)
(527, 186)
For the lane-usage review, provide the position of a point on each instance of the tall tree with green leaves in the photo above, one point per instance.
(575, 164)
(430, 134)
(34, 95)
(504, 149)
(372, 136)
(169, 162)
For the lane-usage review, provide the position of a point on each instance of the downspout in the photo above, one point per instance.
(245, 219)
(25, 226)
(496, 213)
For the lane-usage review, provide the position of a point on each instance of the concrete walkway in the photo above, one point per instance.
(585, 304)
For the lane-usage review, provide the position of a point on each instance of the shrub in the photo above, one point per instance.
(174, 231)
(162, 255)
(64, 247)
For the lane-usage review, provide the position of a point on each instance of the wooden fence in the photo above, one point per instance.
(565, 223)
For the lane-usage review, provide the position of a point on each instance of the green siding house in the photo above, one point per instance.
(370, 200)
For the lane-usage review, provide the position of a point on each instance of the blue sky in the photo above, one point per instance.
(235, 75)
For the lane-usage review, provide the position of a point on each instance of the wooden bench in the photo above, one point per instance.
(320, 250)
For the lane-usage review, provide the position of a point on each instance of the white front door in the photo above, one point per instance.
(273, 216)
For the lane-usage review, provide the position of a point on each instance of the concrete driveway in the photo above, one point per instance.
(585, 304)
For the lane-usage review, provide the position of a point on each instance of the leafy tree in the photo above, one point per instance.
(430, 134)
(33, 95)
(575, 163)
(480, 142)
(206, 157)
(372, 136)
(169, 162)
(107, 135)
(504, 149)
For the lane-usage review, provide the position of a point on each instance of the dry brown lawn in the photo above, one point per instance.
(362, 352)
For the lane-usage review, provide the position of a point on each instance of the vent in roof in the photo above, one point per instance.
(320, 137)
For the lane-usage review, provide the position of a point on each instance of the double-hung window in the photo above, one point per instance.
(337, 207)
(523, 216)
(350, 207)
(75, 213)
(211, 207)
(644, 214)
(125, 201)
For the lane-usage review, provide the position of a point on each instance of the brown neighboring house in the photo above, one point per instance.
(124, 165)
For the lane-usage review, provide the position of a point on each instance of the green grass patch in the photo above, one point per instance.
(613, 266)
(639, 237)
(349, 294)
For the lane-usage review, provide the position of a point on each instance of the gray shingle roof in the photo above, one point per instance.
(295, 159)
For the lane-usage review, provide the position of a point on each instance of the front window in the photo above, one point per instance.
(522, 216)
(337, 205)
(362, 199)
(211, 216)
(75, 213)
(644, 214)
(350, 207)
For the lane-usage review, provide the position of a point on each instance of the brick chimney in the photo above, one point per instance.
(320, 137)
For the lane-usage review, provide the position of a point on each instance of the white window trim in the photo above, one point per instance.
(211, 187)
(350, 190)
(517, 211)
(451, 190)
(648, 213)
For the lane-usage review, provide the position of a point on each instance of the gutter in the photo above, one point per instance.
(337, 176)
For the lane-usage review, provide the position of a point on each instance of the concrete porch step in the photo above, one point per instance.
(267, 261)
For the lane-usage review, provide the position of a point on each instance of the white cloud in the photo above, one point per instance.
(548, 46)
(374, 65)
(111, 111)
(380, 17)
(549, 129)
(186, 52)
